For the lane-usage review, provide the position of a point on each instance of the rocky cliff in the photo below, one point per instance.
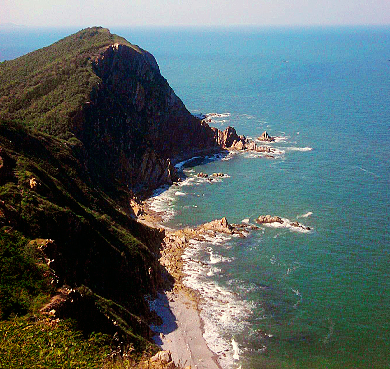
(133, 115)
(98, 88)
(85, 123)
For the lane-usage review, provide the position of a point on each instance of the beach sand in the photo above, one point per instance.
(181, 331)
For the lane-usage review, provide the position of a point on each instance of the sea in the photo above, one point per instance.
(283, 296)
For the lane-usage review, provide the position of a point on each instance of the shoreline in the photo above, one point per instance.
(182, 328)
(182, 331)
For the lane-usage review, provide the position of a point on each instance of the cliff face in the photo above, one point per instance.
(110, 95)
(83, 124)
(134, 115)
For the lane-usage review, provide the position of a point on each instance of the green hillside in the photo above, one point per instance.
(86, 124)
(47, 87)
(58, 229)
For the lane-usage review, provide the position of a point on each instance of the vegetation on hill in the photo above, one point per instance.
(84, 123)
(58, 230)
(46, 87)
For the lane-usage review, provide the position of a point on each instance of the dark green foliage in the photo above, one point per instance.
(22, 277)
(47, 87)
(95, 244)
(73, 134)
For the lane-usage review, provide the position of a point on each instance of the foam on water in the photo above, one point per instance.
(222, 312)
(308, 214)
(217, 115)
(279, 139)
(288, 224)
(181, 164)
(161, 203)
(303, 149)
(180, 193)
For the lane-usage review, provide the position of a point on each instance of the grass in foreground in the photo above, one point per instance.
(44, 344)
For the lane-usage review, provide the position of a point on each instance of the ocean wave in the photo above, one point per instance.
(217, 115)
(229, 156)
(189, 181)
(161, 203)
(288, 224)
(309, 213)
(299, 149)
(222, 312)
(179, 193)
(279, 139)
(180, 165)
(217, 118)
(276, 153)
(367, 171)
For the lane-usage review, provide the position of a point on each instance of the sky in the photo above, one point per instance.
(85, 13)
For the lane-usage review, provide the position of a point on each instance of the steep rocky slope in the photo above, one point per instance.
(110, 95)
(63, 238)
(84, 124)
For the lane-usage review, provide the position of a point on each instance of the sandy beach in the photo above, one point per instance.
(181, 331)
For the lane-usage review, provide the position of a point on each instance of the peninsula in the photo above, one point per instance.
(88, 126)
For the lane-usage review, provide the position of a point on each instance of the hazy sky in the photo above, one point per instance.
(83, 13)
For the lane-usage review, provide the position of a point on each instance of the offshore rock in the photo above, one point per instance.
(230, 139)
(266, 137)
(202, 175)
(269, 219)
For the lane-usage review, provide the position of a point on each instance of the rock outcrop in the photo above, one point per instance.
(266, 137)
(108, 99)
(219, 225)
(135, 116)
(269, 219)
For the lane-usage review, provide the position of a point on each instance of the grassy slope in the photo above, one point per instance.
(47, 87)
(94, 237)
(100, 252)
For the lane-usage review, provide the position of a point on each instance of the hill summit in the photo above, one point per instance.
(97, 88)
(85, 124)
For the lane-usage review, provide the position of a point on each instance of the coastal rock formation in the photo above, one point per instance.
(266, 137)
(109, 101)
(202, 175)
(123, 119)
(155, 171)
(176, 242)
(219, 225)
(229, 139)
(299, 225)
(269, 219)
(95, 124)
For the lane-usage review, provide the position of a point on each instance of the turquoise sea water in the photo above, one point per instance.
(281, 298)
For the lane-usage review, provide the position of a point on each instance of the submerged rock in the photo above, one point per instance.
(299, 225)
(202, 175)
